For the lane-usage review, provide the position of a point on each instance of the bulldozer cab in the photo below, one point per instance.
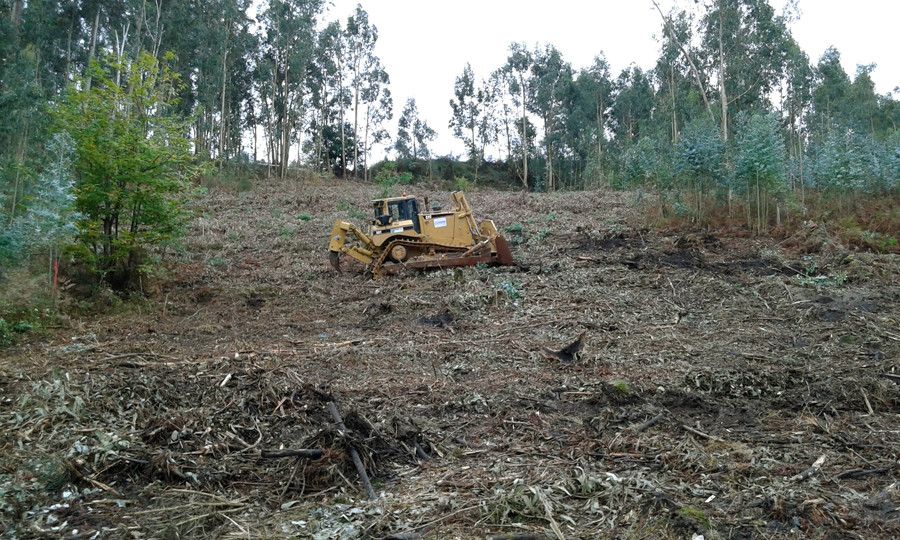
(396, 212)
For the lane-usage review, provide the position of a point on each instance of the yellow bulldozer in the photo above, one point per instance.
(403, 235)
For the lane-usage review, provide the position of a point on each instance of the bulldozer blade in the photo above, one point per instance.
(504, 254)
(335, 259)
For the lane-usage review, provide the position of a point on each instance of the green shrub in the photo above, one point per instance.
(132, 164)
(512, 290)
(515, 228)
(7, 337)
(461, 184)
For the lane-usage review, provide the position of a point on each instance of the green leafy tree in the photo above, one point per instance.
(700, 156)
(550, 98)
(472, 121)
(516, 74)
(288, 51)
(132, 163)
(632, 105)
(588, 120)
(413, 133)
(760, 163)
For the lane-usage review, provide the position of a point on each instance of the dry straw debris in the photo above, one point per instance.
(724, 387)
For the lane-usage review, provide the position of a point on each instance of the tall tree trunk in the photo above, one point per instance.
(15, 14)
(356, 130)
(20, 159)
(93, 49)
(222, 108)
(524, 136)
(140, 27)
(674, 111)
(722, 94)
(343, 134)
(286, 123)
(159, 29)
(671, 31)
(366, 146)
(508, 135)
(474, 152)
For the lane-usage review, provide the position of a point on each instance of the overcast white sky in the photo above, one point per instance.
(424, 44)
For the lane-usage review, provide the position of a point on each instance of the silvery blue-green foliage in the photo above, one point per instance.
(891, 163)
(849, 161)
(761, 157)
(701, 152)
(49, 219)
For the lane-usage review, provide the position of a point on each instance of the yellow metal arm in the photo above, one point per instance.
(363, 253)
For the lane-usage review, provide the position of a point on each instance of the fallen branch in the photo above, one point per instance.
(860, 473)
(308, 453)
(810, 471)
(868, 405)
(699, 433)
(647, 424)
(354, 455)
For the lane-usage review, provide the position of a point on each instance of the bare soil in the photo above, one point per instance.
(714, 372)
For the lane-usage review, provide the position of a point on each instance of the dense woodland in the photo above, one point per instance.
(734, 113)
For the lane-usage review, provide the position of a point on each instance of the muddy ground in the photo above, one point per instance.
(726, 387)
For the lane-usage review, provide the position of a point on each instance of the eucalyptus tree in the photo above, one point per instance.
(517, 73)
(797, 90)
(632, 105)
(413, 133)
(589, 118)
(550, 98)
(288, 48)
(328, 96)
(473, 120)
(746, 44)
(364, 68)
(215, 60)
(700, 160)
(677, 99)
(760, 164)
(376, 96)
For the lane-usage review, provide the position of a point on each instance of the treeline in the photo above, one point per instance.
(732, 109)
(277, 85)
(109, 108)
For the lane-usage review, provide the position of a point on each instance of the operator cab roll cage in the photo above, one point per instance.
(389, 211)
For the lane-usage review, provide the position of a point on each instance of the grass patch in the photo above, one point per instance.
(695, 516)
(514, 228)
(217, 262)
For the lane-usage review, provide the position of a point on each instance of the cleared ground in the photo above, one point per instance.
(731, 387)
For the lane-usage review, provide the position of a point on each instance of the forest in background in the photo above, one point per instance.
(113, 109)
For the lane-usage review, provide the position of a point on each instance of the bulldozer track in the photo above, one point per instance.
(378, 265)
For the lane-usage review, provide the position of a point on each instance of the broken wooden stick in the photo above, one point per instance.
(308, 453)
(354, 455)
(647, 424)
(810, 471)
(699, 433)
(868, 405)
